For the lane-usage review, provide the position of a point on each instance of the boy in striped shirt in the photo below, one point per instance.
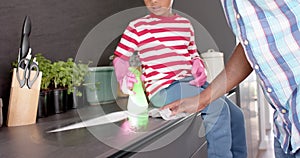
(173, 70)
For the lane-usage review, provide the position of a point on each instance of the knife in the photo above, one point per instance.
(25, 45)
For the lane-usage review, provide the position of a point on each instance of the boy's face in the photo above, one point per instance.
(159, 7)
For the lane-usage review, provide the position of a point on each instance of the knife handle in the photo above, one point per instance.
(24, 47)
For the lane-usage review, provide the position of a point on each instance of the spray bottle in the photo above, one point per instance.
(137, 105)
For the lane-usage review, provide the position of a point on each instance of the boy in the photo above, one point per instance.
(173, 70)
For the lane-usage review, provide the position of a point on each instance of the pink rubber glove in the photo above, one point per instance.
(198, 72)
(125, 78)
(127, 83)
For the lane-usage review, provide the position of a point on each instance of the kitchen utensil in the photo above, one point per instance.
(26, 74)
(25, 46)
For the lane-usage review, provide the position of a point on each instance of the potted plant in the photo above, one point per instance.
(45, 106)
(101, 85)
(77, 73)
(68, 78)
(61, 78)
(45, 66)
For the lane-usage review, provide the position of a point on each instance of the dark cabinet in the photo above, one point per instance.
(185, 139)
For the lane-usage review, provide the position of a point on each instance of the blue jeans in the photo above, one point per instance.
(223, 120)
(279, 153)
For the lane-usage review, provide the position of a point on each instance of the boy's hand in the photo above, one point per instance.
(198, 72)
(127, 83)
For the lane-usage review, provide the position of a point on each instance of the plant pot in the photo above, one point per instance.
(68, 100)
(42, 105)
(101, 85)
(59, 101)
(50, 103)
(45, 104)
(79, 101)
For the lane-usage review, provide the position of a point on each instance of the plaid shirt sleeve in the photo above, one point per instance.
(269, 33)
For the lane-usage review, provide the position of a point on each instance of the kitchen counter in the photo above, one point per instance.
(156, 138)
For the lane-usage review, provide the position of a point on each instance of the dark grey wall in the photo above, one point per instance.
(210, 14)
(59, 27)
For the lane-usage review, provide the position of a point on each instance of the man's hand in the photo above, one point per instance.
(198, 72)
(231, 76)
(188, 105)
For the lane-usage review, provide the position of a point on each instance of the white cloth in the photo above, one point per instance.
(165, 114)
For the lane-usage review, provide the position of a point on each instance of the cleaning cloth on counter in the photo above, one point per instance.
(165, 114)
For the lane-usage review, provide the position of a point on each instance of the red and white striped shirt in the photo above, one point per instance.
(165, 46)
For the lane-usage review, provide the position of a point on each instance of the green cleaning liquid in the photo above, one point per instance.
(137, 105)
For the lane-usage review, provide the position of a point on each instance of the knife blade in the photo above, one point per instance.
(25, 45)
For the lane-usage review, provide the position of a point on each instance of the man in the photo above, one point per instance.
(269, 37)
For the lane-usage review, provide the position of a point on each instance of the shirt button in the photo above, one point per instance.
(269, 90)
(238, 16)
(246, 42)
(283, 111)
(256, 67)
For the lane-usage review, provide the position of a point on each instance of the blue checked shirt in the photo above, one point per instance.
(269, 33)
